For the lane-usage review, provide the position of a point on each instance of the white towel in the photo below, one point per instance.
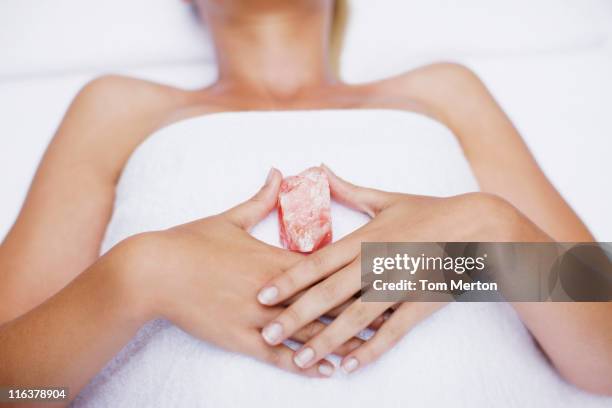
(465, 355)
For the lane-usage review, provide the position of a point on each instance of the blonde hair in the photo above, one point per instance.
(341, 12)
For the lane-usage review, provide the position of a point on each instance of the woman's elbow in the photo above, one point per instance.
(598, 382)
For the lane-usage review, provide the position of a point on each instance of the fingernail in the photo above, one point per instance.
(268, 295)
(304, 357)
(326, 370)
(270, 175)
(272, 333)
(350, 365)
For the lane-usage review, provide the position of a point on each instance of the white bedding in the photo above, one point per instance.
(465, 355)
(561, 101)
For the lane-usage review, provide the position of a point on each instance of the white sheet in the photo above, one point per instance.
(407, 33)
(465, 355)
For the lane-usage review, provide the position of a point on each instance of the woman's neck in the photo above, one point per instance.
(277, 54)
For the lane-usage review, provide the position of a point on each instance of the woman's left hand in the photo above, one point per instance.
(395, 218)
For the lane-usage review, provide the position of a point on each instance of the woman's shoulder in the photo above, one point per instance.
(121, 98)
(444, 74)
(434, 88)
(134, 105)
(115, 92)
(113, 114)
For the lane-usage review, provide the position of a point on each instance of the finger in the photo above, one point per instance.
(312, 329)
(309, 271)
(320, 299)
(307, 332)
(265, 314)
(367, 200)
(376, 323)
(356, 318)
(252, 211)
(399, 323)
(281, 356)
(348, 347)
(335, 312)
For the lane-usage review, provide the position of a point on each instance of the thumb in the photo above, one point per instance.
(367, 200)
(252, 211)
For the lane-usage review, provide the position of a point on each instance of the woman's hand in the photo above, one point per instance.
(396, 218)
(204, 276)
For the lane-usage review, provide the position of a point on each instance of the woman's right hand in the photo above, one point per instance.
(204, 277)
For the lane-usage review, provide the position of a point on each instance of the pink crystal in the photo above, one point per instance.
(304, 211)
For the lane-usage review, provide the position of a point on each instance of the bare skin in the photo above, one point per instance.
(272, 56)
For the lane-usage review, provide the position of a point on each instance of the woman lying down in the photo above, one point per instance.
(66, 312)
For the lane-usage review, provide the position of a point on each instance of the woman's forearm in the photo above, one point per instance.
(66, 340)
(58, 232)
(576, 336)
(503, 165)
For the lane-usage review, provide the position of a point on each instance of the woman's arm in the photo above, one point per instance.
(58, 232)
(504, 167)
(69, 338)
(498, 156)
(577, 336)
(178, 274)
